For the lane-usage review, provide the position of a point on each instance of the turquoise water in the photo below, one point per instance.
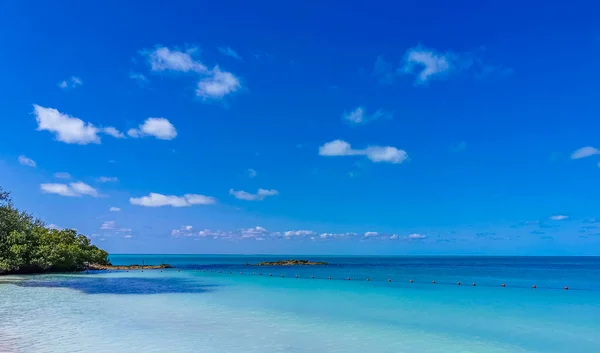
(191, 309)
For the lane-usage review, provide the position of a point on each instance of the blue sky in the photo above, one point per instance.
(372, 128)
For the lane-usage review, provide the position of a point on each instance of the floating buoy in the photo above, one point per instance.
(566, 287)
(389, 279)
(458, 283)
(474, 284)
(368, 279)
(348, 278)
(270, 275)
(411, 281)
(312, 277)
(253, 273)
(433, 282)
(229, 272)
(160, 270)
(296, 276)
(241, 273)
(534, 286)
(282, 276)
(329, 277)
(503, 285)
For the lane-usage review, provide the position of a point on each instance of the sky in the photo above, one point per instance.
(306, 127)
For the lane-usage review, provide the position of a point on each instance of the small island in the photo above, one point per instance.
(96, 267)
(291, 262)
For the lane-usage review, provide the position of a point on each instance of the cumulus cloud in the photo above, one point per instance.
(185, 231)
(298, 233)
(160, 128)
(62, 175)
(253, 232)
(27, 161)
(559, 217)
(112, 226)
(72, 82)
(69, 129)
(114, 209)
(416, 236)
(214, 83)
(585, 152)
(428, 63)
(227, 51)
(359, 116)
(370, 234)
(76, 189)
(105, 179)
(261, 194)
(375, 154)
(218, 84)
(165, 59)
(159, 200)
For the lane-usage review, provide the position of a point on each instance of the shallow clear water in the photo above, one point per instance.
(196, 311)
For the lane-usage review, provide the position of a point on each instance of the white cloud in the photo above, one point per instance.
(113, 132)
(165, 59)
(376, 154)
(160, 128)
(217, 84)
(393, 236)
(251, 173)
(359, 115)
(558, 217)
(67, 129)
(76, 189)
(27, 161)
(128, 236)
(230, 52)
(185, 231)
(72, 82)
(112, 225)
(53, 226)
(427, 63)
(416, 236)
(585, 152)
(370, 234)
(62, 175)
(105, 179)
(114, 209)
(253, 232)
(298, 233)
(159, 200)
(260, 194)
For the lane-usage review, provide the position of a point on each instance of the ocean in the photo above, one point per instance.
(210, 303)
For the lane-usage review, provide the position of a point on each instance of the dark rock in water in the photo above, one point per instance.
(291, 263)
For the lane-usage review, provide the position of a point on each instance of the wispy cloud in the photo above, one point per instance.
(261, 194)
(387, 154)
(105, 179)
(27, 161)
(585, 152)
(559, 217)
(76, 189)
(218, 84)
(114, 209)
(72, 82)
(227, 51)
(62, 175)
(251, 173)
(428, 63)
(140, 78)
(112, 226)
(359, 115)
(160, 200)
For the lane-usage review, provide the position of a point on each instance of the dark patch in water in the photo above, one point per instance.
(123, 285)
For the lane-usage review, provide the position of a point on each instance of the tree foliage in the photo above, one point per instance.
(27, 246)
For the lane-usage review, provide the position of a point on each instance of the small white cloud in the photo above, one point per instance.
(585, 152)
(376, 154)
(217, 84)
(416, 236)
(53, 226)
(165, 59)
(113, 132)
(558, 217)
(261, 194)
(62, 175)
(112, 225)
(298, 233)
(251, 173)
(427, 63)
(128, 236)
(105, 179)
(359, 115)
(71, 83)
(160, 128)
(114, 209)
(27, 161)
(370, 234)
(159, 200)
(393, 236)
(76, 189)
(185, 231)
(253, 232)
(227, 51)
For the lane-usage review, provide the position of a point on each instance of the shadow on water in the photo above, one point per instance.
(123, 285)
